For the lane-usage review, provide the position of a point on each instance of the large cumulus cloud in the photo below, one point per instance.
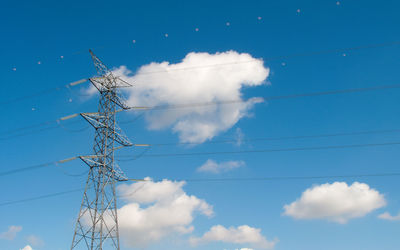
(198, 78)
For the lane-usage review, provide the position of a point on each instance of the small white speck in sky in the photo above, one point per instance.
(337, 3)
(228, 23)
(62, 57)
(259, 18)
(166, 35)
(39, 62)
(283, 64)
(344, 54)
(14, 69)
(196, 29)
(69, 100)
(133, 41)
(33, 109)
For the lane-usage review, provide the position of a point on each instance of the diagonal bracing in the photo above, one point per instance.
(97, 223)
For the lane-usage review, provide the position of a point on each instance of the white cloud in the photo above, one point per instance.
(388, 216)
(239, 136)
(155, 210)
(27, 248)
(211, 166)
(336, 202)
(240, 235)
(11, 233)
(165, 84)
(89, 91)
(35, 241)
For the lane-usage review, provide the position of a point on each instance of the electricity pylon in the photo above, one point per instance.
(97, 220)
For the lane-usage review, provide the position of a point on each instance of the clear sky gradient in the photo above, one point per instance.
(45, 44)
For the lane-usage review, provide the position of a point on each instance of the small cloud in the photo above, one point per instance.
(241, 235)
(239, 136)
(27, 247)
(388, 216)
(337, 202)
(89, 91)
(11, 233)
(211, 166)
(35, 241)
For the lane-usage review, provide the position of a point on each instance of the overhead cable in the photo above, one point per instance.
(40, 197)
(126, 157)
(233, 140)
(38, 166)
(191, 105)
(271, 178)
(266, 98)
(295, 55)
(43, 92)
(278, 178)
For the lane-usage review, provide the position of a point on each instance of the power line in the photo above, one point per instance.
(270, 98)
(34, 167)
(265, 150)
(28, 127)
(134, 119)
(126, 157)
(274, 58)
(43, 92)
(252, 179)
(277, 178)
(281, 137)
(27, 133)
(166, 107)
(339, 50)
(59, 125)
(295, 55)
(27, 168)
(40, 197)
(73, 130)
(58, 121)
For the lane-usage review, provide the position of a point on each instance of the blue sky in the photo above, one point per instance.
(43, 31)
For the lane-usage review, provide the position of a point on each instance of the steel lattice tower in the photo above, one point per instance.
(97, 220)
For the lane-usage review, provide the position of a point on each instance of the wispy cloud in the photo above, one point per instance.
(388, 216)
(27, 247)
(238, 235)
(11, 233)
(35, 241)
(211, 166)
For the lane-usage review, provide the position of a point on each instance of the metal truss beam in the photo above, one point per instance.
(97, 223)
